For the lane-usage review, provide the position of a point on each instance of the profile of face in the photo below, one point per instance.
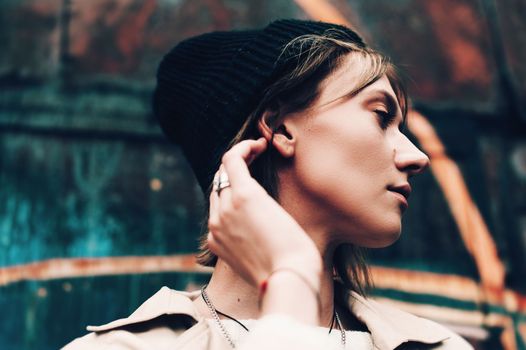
(350, 162)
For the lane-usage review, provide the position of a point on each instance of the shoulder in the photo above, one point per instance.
(391, 327)
(163, 318)
(453, 340)
(115, 340)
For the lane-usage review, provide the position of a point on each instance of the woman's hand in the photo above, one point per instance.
(250, 231)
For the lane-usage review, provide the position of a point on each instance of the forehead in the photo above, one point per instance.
(346, 78)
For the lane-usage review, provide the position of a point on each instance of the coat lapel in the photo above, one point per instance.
(391, 327)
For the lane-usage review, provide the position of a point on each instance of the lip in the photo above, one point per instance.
(402, 199)
(402, 192)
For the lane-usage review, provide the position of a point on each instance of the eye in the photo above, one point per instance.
(385, 117)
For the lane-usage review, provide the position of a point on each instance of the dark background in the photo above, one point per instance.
(86, 176)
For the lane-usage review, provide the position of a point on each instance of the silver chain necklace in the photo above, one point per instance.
(227, 336)
(342, 330)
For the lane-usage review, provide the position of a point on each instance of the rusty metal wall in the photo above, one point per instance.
(98, 211)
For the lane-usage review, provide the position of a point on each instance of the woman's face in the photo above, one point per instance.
(352, 163)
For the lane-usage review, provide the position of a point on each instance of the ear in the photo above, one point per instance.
(282, 137)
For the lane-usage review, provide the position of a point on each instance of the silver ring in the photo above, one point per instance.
(221, 182)
(222, 185)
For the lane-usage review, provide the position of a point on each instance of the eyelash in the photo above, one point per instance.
(386, 118)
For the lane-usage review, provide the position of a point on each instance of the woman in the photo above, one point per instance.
(316, 166)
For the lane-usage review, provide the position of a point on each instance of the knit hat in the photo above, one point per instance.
(209, 84)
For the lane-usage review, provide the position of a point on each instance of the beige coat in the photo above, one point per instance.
(168, 320)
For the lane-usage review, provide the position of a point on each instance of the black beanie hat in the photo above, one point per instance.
(209, 84)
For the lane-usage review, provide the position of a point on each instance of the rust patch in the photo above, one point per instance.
(109, 35)
(507, 338)
(460, 34)
(323, 11)
(130, 36)
(83, 267)
(220, 14)
(44, 7)
(452, 286)
(447, 285)
(522, 331)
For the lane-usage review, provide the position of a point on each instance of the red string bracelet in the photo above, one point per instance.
(263, 287)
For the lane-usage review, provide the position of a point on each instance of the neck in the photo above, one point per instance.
(232, 295)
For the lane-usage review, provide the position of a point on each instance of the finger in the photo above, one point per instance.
(235, 161)
(224, 196)
(261, 146)
(213, 210)
(212, 243)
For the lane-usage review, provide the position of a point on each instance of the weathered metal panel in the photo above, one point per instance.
(69, 197)
(85, 171)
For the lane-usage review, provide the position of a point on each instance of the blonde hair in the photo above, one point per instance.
(305, 63)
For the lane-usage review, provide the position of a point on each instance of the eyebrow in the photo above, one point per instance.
(382, 96)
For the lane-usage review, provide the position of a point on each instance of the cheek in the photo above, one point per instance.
(344, 172)
(349, 157)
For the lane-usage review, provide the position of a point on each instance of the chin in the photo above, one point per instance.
(386, 241)
(371, 233)
(381, 238)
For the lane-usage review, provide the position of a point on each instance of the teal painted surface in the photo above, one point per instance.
(79, 198)
(46, 315)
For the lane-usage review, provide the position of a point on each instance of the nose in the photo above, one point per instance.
(409, 158)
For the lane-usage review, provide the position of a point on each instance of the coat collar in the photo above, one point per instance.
(389, 327)
(165, 302)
